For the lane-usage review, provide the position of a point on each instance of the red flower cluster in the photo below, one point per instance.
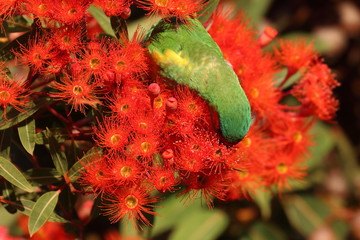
(165, 138)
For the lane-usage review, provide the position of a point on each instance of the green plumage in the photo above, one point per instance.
(189, 56)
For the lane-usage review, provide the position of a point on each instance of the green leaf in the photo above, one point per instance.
(347, 158)
(102, 19)
(255, 10)
(42, 210)
(17, 24)
(5, 136)
(201, 224)
(26, 131)
(171, 212)
(307, 213)
(15, 117)
(280, 76)
(206, 12)
(28, 205)
(265, 231)
(59, 134)
(263, 200)
(325, 142)
(75, 171)
(57, 155)
(43, 175)
(13, 175)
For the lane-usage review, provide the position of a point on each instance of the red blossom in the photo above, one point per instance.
(77, 91)
(113, 7)
(12, 93)
(131, 203)
(37, 53)
(314, 91)
(112, 134)
(181, 9)
(295, 54)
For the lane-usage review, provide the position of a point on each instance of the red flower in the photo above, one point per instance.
(128, 60)
(94, 175)
(281, 169)
(67, 37)
(163, 179)
(144, 146)
(12, 93)
(7, 8)
(69, 11)
(145, 122)
(295, 54)
(112, 134)
(77, 91)
(39, 8)
(94, 59)
(243, 184)
(205, 186)
(37, 53)
(180, 9)
(314, 91)
(130, 203)
(113, 7)
(123, 170)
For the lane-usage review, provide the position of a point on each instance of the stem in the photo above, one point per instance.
(40, 84)
(18, 24)
(83, 122)
(56, 114)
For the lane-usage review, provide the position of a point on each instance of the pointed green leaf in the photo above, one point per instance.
(102, 19)
(27, 134)
(201, 224)
(15, 117)
(17, 24)
(28, 205)
(171, 212)
(263, 200)
(307, 213)
(43, 175)
(206, 12)
(325, 142)
(255, 10)
(5, 136)
(75, 171)
(280, 76)
(13, 175)
(42, 210)
(59, 134)
(265, 231)
(58, 156)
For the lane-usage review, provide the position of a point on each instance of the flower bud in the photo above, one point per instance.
(153, 90)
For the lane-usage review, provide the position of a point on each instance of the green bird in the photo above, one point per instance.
(188, 55)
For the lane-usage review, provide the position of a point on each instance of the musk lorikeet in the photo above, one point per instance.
(188, 55)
